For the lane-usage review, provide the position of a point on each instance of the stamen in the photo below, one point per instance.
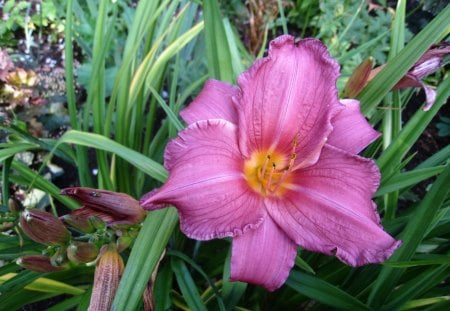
(264, 167)
(291, 162)
(295, 142)
(282, 178)
(269, 182)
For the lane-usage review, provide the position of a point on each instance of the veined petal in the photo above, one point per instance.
(213, 102)
(410, 80)
(263, 256)
(206, 183)
(351, 131)
(328, 209)
(286, 97)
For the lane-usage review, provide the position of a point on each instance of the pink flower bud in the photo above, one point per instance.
(38, 263)
(106, 280)
(79, 223)
(124, 242)
(112, 207)
(358, 79)
(43, 227)
(82, 252)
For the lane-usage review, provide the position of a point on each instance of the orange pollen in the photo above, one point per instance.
(268, 173)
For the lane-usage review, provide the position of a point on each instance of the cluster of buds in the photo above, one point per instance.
(430, 62)
(101, 209)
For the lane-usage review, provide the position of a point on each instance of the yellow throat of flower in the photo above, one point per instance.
(268, 173)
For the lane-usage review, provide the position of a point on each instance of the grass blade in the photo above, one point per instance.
(140, 161)
(217, 48)
(403, 180)
(187, 285)
(144, 257)
(411, 236)
(323, 292)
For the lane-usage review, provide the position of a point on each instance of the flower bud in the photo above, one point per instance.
(79, 223)
(38, 263)
(97, 223)
(106, 280)
(14, 206)
(82, 252)
(4, 226)
(43, 227)
(123, 243)
(59, 258)
(358, 79)
(112, 207)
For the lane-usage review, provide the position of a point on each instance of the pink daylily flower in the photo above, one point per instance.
(272, 163)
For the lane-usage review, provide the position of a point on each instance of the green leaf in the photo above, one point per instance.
(299, 262)
(217, 48)
(323, 292)
(415, 287)
(19, 281)
(66, 304)
(144, 257)
(418, 303)
(140, 161)
(187, 285)
(412, 236)
(170, 114)
(403, 180)
(415, 263)
(163, 286)
(30, 178)
(232, 292)
(9, 150)
(194, 265)
(46, 285)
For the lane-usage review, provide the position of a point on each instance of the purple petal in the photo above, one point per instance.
(213, 102)
(351, 131)
(431, 61)
(328, 209)
(263, 256)
(286, 97)
(409, 80)
(430, 95)
(206, 183)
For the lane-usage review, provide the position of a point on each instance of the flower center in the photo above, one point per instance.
(268, 173)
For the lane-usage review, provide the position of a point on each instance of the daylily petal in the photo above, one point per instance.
(328, 209)
(213, 102)
(430, 95)
(206, 183)
(409, 80)
(263, 256)
(351, 131)
(287, 96)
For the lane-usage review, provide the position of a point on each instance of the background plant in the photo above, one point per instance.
(139, 64)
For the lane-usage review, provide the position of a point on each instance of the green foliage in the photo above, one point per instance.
(443, 126)
(140, 64)
(26, 17)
